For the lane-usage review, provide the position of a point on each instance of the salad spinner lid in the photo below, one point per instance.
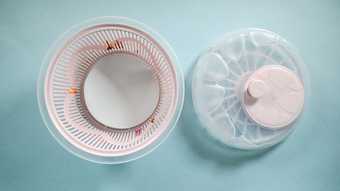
(248, 89)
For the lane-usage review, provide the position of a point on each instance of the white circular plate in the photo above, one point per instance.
(120, 91)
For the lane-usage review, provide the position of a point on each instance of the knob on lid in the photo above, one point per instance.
(273, 96)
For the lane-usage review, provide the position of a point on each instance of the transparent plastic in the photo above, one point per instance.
(61, 97)
(218, 80)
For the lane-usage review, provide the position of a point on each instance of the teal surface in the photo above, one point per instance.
(30, 159)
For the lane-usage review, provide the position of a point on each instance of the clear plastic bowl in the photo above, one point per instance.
(60, 93)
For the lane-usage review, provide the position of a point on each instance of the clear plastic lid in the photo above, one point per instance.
(249, 88)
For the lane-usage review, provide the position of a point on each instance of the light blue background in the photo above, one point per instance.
(30, 159)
